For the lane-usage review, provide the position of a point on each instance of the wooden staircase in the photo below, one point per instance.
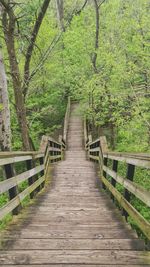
(73, 223)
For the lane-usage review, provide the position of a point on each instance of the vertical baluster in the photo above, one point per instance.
(113, 181)
(41, 160)
(127, 194)
(104, 173)
(30, 164)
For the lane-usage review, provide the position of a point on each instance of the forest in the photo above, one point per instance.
(94, 51)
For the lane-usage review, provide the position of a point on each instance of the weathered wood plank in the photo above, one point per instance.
(72, 244)
(15, 159)
(75, 256)
(72, 233)
(144, 163)
(79, 265)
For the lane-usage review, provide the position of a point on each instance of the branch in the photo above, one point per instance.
(81, 9)
(32, 44)
(101, 3)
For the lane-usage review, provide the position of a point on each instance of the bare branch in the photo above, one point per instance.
(101, 3)
(32, 44)
(81, 9)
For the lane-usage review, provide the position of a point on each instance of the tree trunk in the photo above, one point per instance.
(9, 27)
(5, 129)
(96, 46)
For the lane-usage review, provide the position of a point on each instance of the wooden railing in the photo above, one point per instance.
(35, 174)
(36, 165)
(98, 151)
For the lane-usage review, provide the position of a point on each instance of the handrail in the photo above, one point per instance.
(37, 164)
(98, 152)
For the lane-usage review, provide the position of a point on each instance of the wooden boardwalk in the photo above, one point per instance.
(73, 223)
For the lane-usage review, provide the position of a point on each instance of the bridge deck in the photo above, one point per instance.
(73, 223)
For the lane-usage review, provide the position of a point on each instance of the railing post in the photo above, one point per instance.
(104, 173)
(90, 140)
(13, 192)
(113, 181)
(104, 148)
(127, 194)
(30, 164)
(85, 132)
(41, 160)
(66, 120)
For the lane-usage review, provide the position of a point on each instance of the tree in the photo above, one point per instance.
(9, 21)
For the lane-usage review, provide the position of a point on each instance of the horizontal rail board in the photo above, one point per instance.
(54, 149)
(15, 159)
(94, 157)
(55, 157)
(41, 155)
(93, 142)
(16, 180)
(136, 216)
(141, 156)
(11, 205)
(19, 153)
(134, 188)
(96, 149)
(50, 139)
(134, 161)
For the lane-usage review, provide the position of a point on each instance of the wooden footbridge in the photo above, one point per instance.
(73, 221)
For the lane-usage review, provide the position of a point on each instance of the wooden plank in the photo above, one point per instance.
(75, 256)
(95, 149)
(100, 233)
(40, 155)
(143, 224)
(11, 154)
(132, 155)
(15, 159)
(54, 149)
(134, 161)
(55, 157)
(93, 142)
(16, 180)
(54, 141)
(94, 157)
(134, 188)
(79, 265)
(73, 244)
